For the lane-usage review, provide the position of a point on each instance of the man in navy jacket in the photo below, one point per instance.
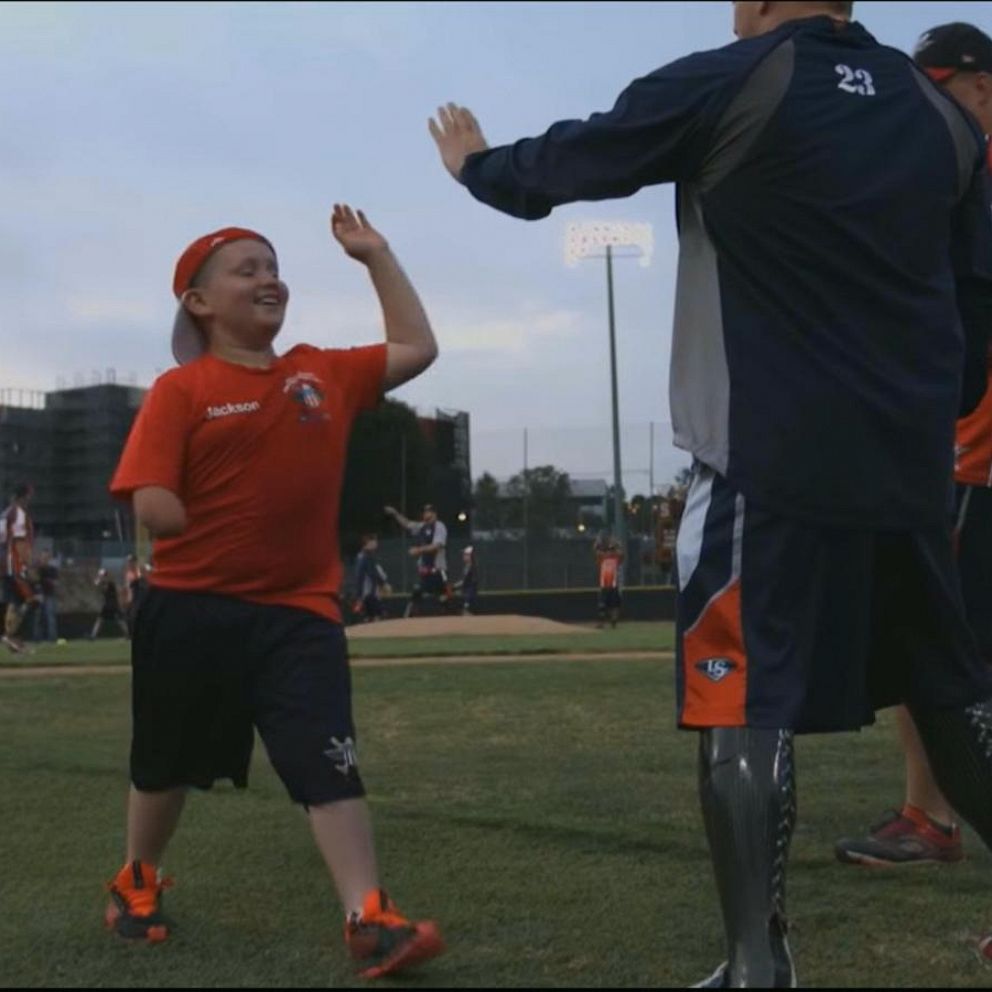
(833, 302)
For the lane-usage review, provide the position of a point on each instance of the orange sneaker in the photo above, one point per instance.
(384, 942)
(135, 907)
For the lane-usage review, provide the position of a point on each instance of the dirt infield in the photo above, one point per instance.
(504, 623)
(58, 671)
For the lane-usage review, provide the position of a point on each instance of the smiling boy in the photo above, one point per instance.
(235, 466)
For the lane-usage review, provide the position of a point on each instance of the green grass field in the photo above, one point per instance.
(627, 637)
(545, 813)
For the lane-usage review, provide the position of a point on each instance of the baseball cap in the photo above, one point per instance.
(187, 339)
(949, 48)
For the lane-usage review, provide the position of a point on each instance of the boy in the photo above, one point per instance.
(235, 465)
(370, 581)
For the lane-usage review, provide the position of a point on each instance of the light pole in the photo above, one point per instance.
(588, 241)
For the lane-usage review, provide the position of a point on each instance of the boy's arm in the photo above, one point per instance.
(160, 510)
(411, 347)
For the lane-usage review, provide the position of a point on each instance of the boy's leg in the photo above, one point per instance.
(302, 701)
(152, 818)
(191, 726)
(135, 907)
(343, 833)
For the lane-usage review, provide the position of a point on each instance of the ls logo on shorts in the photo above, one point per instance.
(343, 754)
(716, 669)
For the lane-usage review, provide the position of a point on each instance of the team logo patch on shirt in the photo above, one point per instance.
(305, 389)
(716, 669)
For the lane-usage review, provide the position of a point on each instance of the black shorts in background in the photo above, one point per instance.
(207, 669)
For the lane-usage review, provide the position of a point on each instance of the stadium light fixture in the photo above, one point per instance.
(597, 239)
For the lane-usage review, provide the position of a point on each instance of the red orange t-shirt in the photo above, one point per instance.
(257, 456)
(609, 569)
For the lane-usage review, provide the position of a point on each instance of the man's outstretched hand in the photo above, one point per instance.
(457, 135)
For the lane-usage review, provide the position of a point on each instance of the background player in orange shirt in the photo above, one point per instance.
(609, 558)
(235, 466)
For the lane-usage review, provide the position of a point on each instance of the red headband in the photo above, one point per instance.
(192, 259)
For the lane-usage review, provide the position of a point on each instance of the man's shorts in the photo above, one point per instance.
(973, 538)
(784, 624)
(208, 668)
(431, 583)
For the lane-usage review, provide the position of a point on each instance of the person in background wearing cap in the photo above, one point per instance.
(959, 58)
(235, 466)
(831, 324)
(16, 539)
(432, 566)
(468, 584)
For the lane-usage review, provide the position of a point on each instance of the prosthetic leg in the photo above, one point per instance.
(748, 793)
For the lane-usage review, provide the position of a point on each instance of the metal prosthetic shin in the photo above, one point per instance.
(748, 792)
(959, 748)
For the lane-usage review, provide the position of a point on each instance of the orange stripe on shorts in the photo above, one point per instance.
(715, 664)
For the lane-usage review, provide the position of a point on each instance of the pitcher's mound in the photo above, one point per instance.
(505, 623)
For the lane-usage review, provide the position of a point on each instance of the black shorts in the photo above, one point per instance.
(207, 669)
(431, 584)
(784, 624)
(973, 537)
(372, 606)
(609, 598)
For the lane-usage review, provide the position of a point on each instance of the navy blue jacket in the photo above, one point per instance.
(835, 261)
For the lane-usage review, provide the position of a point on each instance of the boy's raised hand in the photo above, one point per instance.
(356, 235)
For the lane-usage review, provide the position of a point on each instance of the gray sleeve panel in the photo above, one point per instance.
(961, 132)
(749, 112)
(700, 378)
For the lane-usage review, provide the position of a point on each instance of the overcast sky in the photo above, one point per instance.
(128, 129)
